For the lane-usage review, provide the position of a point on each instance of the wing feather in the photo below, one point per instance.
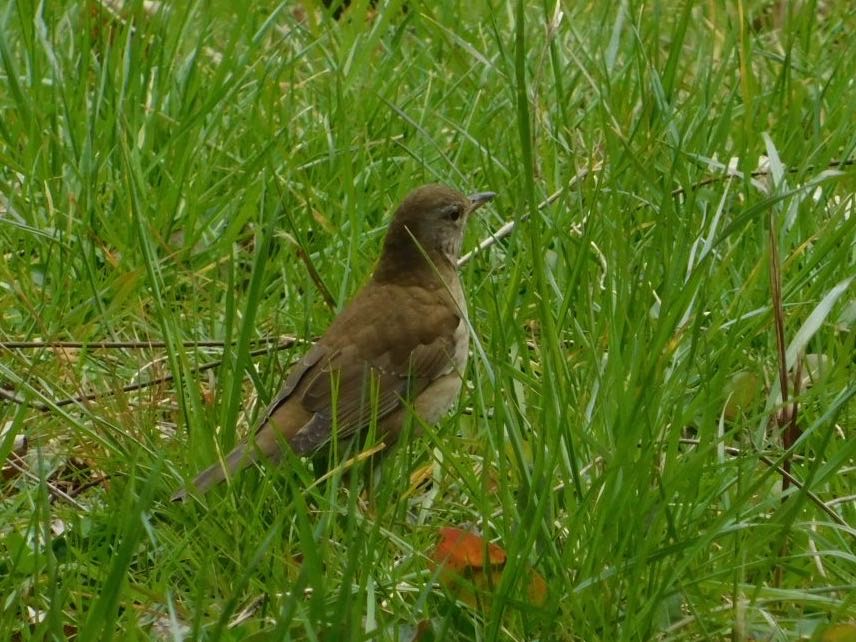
(387, 355)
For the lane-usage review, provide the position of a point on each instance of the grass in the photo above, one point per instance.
(163, 169)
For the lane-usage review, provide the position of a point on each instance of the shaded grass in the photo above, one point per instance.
(155, 167)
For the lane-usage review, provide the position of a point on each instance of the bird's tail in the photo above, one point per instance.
(241, 457)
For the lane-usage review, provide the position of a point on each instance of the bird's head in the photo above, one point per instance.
(431, 221)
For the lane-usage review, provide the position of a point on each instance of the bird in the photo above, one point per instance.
(399, 346)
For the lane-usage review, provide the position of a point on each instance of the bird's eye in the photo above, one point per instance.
(452, 212)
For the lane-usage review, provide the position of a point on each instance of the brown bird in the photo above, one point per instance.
(401, 343)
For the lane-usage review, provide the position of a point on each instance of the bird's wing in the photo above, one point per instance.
(369, 364)
(299, 370)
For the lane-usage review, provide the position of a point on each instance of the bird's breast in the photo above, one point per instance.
(462, 332)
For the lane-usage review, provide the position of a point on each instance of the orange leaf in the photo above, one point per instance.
(460, 550)
(537, 589)
(472, 567)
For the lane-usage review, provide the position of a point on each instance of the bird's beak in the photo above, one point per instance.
(480, 198)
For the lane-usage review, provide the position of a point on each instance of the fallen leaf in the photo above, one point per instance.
(845, 632)
(471, 568)
(459, 549)
(537, 589)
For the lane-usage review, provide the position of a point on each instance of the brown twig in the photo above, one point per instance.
(736, 452)
(286, 342)
(779, 417)
(508, 227)
(758, 173)
(792, 431)
(11, 396)
(53, 490)
(116, 345)
(92, 483)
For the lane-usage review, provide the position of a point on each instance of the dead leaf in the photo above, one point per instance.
(420, 479)
(537, 589)
(323, 221)
(471, 568)
(459, 549)
(845, 632)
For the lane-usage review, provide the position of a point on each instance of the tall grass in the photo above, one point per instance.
(163, 169)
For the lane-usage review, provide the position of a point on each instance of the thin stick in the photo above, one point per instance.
(53, 490)
(758, 173)
(508, 227)
(116, 345)
(286, 342)
(736, 452)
